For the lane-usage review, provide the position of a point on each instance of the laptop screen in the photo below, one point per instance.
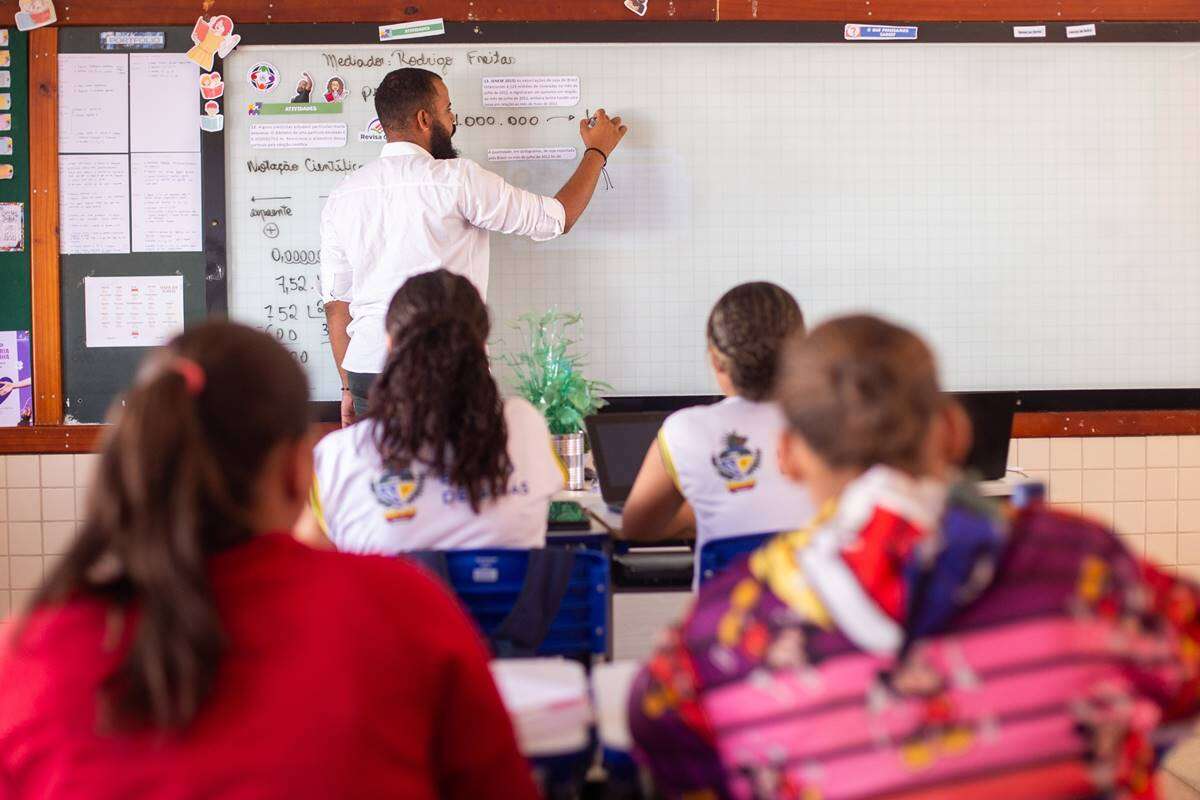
(619, 444)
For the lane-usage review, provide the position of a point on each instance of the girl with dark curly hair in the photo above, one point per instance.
(441, 461)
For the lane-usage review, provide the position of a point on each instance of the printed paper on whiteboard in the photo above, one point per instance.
(142, 311)
(1029, 31)
(531, 153)
(532, 91)
(297, 135)
(1081, 31)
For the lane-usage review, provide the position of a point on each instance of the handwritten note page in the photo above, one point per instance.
(166, 202)
(143, 311)
(93, 203)
(163, 107)
(93, 103)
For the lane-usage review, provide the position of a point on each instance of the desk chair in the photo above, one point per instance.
(720, 553)
(551, 602)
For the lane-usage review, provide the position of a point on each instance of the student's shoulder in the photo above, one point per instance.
(522, 417)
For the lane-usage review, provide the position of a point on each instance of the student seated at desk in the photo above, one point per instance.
(913, 642)
(714, 467)
(440, 461)
(186, 646)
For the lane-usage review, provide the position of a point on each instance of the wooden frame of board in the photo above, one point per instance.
(1122, 413)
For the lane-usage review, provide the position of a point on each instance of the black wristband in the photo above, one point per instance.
(598, 150)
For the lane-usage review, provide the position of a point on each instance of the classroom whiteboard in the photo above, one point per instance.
(1033, 210)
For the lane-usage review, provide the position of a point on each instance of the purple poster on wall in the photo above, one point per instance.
(16, 384)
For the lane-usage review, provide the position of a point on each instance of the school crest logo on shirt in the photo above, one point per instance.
(737, 463)
(397, 492)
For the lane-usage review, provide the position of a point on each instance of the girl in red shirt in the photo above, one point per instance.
(186, 646)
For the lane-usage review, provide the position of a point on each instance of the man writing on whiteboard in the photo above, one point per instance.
(419, 207)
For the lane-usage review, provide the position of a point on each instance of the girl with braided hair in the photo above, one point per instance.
(714, 468)
(441, 461)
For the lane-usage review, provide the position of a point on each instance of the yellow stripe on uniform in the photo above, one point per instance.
(314, 500)
(668, 462)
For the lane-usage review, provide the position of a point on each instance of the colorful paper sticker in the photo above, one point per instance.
(373, 133)
(213, 37)
(12, 227)
(263, 77)
(6, 172)
(5, 79)
(1081, 31)
(5, 58)
(133, 40)
(5, 101)
(3, 37)
(212, 120)
(35, 14)
(637, 6)
(304, 88)
(880, 33)
(335, 89)
(211, 85)
(6, 146)
(5, 122)
(1029, 31)
(412, 30)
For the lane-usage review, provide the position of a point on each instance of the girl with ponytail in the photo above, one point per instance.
(714, 467)
(440, 460)
(187, 646)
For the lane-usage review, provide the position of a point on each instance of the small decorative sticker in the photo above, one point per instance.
(212, 120)
(335, 89)
(5, 79)
(6, 146)
(5, 58)
(211, 85)
(263, 77)
(5, 122)
(304, 88)
(5, 101)
(35, 14)
(6, 172)
(637, 6)
(212, 37)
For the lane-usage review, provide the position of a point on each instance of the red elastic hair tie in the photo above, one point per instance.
(192, 373)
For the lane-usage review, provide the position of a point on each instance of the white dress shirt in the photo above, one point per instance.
(407, 213)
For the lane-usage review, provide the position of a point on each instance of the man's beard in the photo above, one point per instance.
(440, 145)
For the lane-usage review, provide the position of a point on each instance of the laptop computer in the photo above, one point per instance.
(619, 442)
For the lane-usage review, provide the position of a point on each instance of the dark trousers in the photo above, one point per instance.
(360, 387)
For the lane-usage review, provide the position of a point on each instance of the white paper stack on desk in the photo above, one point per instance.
(549, 703)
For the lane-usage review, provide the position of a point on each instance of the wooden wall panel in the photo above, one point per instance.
(1107, 423)
(184, 12)
(955, 10)
(43, 226)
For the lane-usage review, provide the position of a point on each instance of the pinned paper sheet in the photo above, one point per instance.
(143, 311)
(93, 103)
(93, 203)
(162, 103)
(1029, 31)
(165, 200)
(412, 30)
(212, 37)
(1081, 31)
(532, 154)
(12, 227)
(35, 14)
(298, 135)
(533, 91)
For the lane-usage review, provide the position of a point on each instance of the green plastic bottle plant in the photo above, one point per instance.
(547, 371)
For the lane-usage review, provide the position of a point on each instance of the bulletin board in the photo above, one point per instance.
(93, 376)
(15, 302)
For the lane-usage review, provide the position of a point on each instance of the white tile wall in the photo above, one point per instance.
(1148, 488)
(39, 514)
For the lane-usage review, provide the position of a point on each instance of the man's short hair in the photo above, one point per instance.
(402, 94)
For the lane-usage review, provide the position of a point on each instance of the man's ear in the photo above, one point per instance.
(791, 453)
(424, 120)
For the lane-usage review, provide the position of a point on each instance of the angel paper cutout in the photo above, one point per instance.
(213, 37)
